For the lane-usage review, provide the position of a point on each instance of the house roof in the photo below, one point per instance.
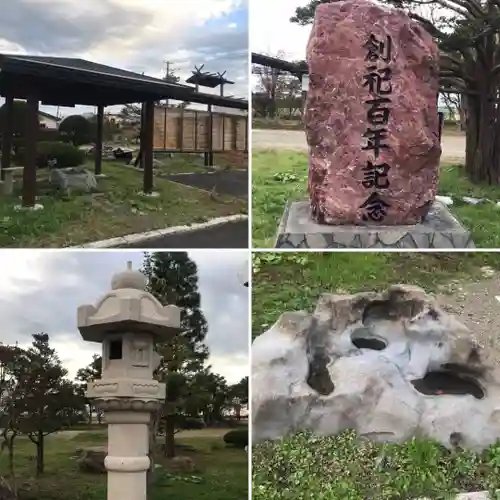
(67, 81)
(48, 115)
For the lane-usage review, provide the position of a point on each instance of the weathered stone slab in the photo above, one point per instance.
(74, 178)
(440, 229)
(371, 115)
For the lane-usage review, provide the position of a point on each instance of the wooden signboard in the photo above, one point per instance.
(190, 131)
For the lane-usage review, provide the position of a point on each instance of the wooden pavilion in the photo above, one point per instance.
(61, 81)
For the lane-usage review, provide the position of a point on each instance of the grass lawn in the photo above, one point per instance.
(293, 281)
(222, 471)
(116, 210)
(342, 467)
(281, 176)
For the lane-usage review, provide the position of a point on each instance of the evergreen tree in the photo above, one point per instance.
(173, 279)
(88, 374)
(47, 402)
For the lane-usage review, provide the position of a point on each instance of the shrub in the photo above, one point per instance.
(77, 129)
(192, 423)
(66, 154)
(48, 134)
(237, 438)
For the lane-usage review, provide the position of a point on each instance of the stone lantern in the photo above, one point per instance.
(127, 321)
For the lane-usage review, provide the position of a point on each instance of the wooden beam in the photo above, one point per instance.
(99, 139)
(30, 140)
(7, 133)
(149, 110)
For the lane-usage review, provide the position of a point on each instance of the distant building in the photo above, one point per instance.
(48, 121)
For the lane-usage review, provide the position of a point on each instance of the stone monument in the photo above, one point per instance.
(372, 127)
(127, 321)
(389, 365)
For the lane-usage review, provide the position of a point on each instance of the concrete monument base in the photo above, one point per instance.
(440, 229)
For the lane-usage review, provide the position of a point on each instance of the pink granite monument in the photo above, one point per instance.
(371, 116)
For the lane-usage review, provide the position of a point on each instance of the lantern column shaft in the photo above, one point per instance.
(127, 462)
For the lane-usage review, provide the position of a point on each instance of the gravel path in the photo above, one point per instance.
(295, 140)
(475, 305)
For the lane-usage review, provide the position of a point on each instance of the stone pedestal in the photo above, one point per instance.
(439, 230)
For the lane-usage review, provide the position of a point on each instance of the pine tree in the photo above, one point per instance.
(173, 279)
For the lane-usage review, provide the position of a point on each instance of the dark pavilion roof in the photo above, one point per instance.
(68, 81)
(298, 69)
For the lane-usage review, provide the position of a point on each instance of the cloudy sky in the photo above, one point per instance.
(41, 290)
(134, 35)
(271, 30)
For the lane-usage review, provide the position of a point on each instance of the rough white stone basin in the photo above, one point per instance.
(390, 366)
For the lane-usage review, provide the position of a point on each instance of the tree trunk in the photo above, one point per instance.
(90, 414)
(12, 470)
(169, 434)
(151, 453)
(39, 454)
(482, 161)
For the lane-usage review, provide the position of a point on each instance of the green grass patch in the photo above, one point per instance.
(343, 467)
(116, 210)
(278, 177)
(222, 472)
(277, 123)
(293, 281)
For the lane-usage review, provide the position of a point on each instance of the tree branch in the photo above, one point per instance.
(435, 32)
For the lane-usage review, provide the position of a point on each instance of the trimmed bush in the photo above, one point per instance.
(66, 154)
(77, 129)
(237, 438)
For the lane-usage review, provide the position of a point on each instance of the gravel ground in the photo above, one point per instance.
(476, 307)
(295, 140)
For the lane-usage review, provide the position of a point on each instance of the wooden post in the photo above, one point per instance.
(247, 130)
(99, 138)
(180, 137)
(148, 122)
(210, 137)
(165, 126)
(29, 172)
(223, 132)
(234, 138)
(7, 133)
(196, 130)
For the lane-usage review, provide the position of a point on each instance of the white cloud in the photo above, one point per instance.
(271, 30)
(40, 291)
(146, 34)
